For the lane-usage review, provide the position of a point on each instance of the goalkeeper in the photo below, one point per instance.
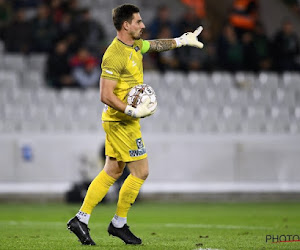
(122, 69)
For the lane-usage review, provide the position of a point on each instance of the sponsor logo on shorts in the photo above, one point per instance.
(139, 143)
(141, 149)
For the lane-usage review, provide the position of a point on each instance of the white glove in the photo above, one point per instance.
(190, 39)
(142, 110)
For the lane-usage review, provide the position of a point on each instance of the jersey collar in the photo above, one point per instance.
(131, 46)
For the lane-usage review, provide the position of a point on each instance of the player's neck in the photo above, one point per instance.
(125, 38)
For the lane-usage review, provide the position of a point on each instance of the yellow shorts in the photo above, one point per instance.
(124, 141)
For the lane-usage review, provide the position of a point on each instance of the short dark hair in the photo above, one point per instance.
(123, 13)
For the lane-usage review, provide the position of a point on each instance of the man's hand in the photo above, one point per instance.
(142, 110)
(190, 39)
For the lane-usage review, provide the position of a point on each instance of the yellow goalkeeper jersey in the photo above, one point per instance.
(122, 63)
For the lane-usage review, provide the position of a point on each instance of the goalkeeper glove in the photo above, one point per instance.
(142, 110)
(190, 39)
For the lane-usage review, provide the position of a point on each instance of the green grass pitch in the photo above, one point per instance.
(160, 225)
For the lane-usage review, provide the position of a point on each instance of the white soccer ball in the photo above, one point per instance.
(139, 94)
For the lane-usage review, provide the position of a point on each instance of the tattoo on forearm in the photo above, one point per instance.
(160, 45)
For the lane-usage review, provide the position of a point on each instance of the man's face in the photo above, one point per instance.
(136, 27)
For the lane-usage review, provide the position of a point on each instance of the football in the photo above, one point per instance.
(139, 93)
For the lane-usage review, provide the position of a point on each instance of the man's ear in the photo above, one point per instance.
(126, 25)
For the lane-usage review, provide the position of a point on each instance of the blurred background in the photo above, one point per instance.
(228, 120)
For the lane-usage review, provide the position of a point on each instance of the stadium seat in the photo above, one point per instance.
(173, 79)
(60, 117)
(33, 79)
(209, 119)
(267, 81)
(284, 98)
(213, 97)
(37, 62)
(279, 121)
(45, 97)
(198, 81)
(69, 96)
(257, 98)
(14, 113)
(236, 97)
(255, 120)
(9, 126)
(156, 123)
(295, 119)
(294, 127)
(245, 79)
(24, 97)
(14, 62)
(166, 96)
(296, 113)
(184, 95)
(90, 97)
(33, 127)
(291, 81)
(9, 80)
(231, 119)
(37, 114)
(154, 79)
(222, 80)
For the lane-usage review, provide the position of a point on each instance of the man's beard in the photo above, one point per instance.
(138, 36)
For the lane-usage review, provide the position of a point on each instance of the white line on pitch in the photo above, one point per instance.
(215, 226)
(28, 223)
(207, 249)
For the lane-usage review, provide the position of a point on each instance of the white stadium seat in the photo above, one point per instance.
(222, 80)
(291, 81)
(9, 80)
(14, 62)
(37, 62)
(267, 81)
(284, 98)
(33, 79)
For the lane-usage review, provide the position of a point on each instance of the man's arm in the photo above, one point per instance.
(160, 45)
(187, 39)
(108, 97)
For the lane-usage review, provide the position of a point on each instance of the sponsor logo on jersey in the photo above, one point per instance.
(109, 72)
(137, 48)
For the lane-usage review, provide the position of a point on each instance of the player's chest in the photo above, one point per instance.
(134, 61)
